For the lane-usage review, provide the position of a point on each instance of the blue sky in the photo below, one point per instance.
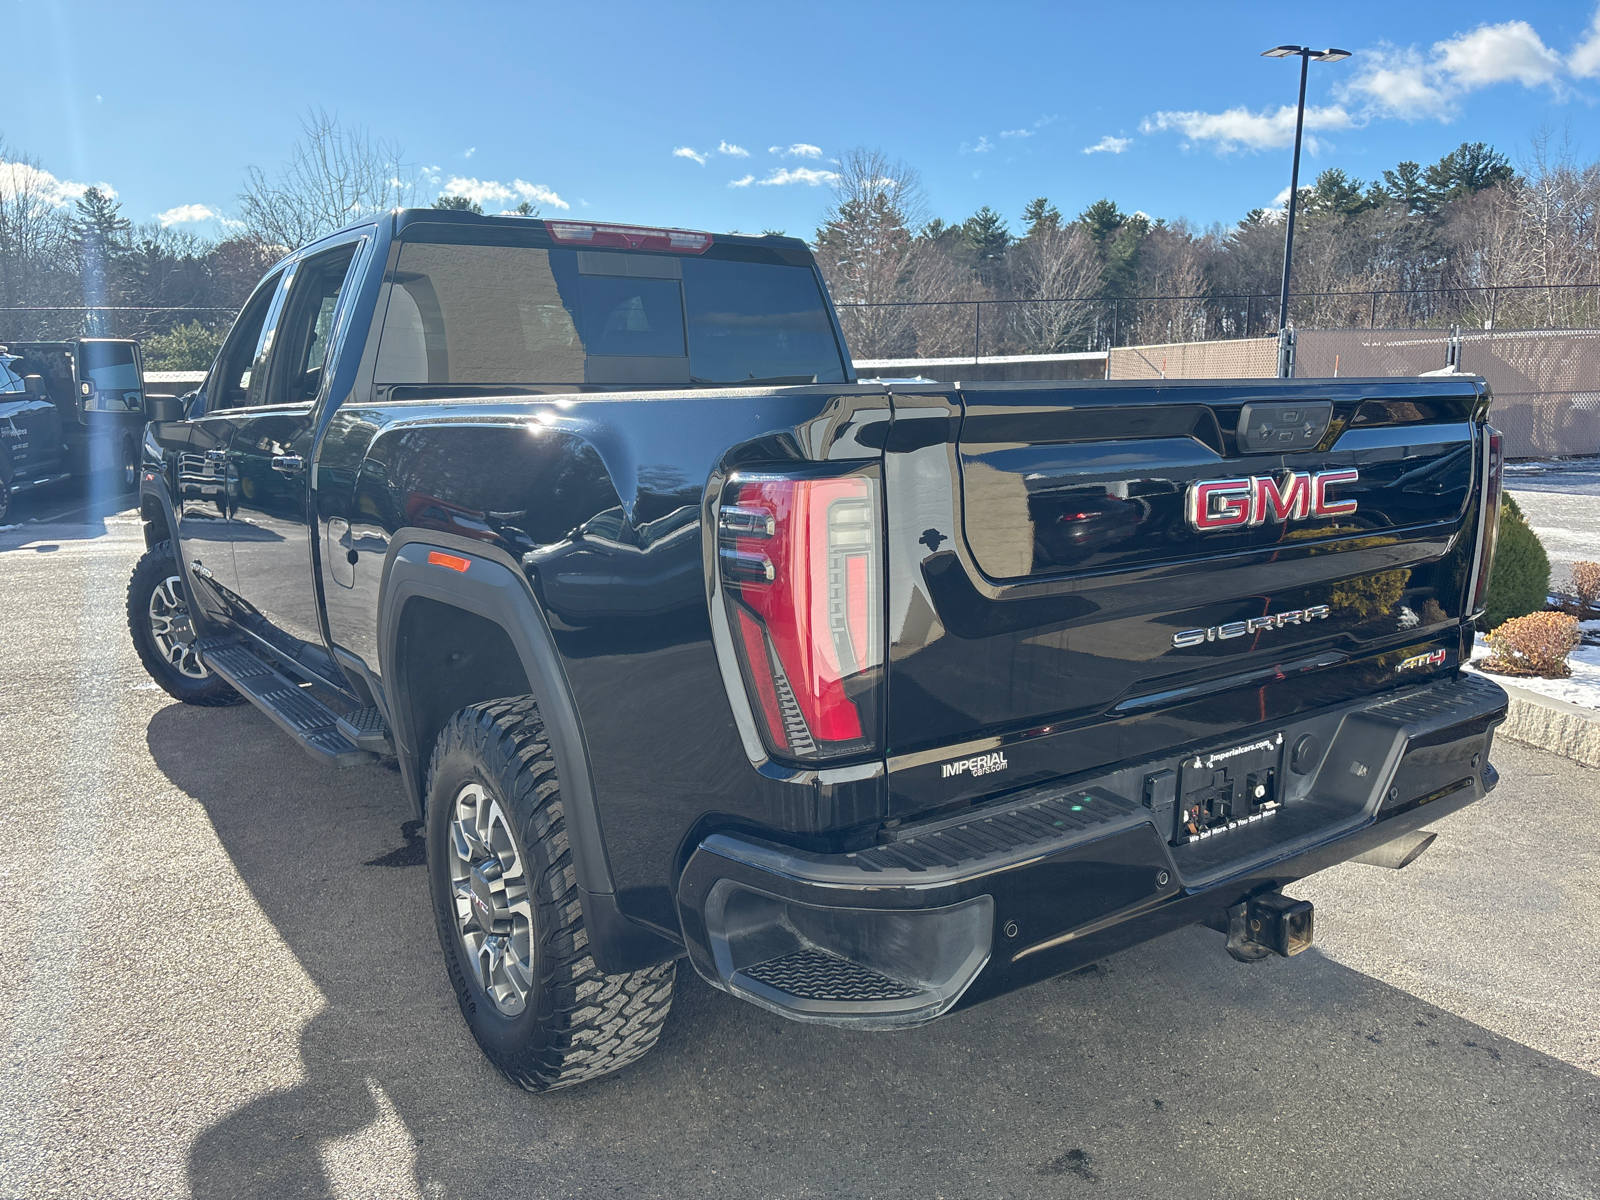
(722, 116)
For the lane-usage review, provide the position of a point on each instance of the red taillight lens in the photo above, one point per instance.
(1489, 531)
(629, 237)
(802, 565)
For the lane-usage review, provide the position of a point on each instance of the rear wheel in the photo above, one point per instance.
(127, 472)
(508, 914)
(164, 634)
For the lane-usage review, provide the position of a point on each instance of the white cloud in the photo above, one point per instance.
(1239, 127)
(779, 176)
(1402, 82)
(807, 175)
(1511, 52)
(1109, 145)
(486, 191)
(732, 151)
(686, 152)
(983, 147)
(185, 214)
(471, 150)
(1017, 133)
(1585, 59)
(24, 177)
(797, 150)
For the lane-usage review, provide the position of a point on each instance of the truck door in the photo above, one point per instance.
(205, 489)
(271, 456)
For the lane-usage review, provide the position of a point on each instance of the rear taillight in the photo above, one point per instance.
(1489, 527)
(802, 567)
(629, 237)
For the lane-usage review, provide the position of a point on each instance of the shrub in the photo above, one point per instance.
(1520, 581)
(1585, 590)
(188, 347)
(1537, 644)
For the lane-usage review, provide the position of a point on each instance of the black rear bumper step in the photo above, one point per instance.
(292, 708)
(888, 935)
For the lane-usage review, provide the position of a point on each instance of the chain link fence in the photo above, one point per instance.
(988, 328)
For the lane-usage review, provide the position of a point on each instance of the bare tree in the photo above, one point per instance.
(336, 175)
(37, 264)
(866, 249)
(1057, 268)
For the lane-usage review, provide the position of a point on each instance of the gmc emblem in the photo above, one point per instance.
(1255, 500)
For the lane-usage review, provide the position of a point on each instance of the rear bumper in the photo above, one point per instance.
(944, 914)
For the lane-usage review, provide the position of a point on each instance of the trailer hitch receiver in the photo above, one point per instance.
(1269, 924)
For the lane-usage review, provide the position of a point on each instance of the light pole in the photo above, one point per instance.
(1305, 54)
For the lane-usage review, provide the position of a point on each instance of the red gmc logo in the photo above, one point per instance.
(1247, 502)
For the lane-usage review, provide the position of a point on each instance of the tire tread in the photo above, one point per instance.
(590, 1024)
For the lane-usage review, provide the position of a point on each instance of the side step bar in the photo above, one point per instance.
(292, 708)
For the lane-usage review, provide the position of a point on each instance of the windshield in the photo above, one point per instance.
(527, 315)
(10, 381)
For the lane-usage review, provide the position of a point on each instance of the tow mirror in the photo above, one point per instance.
(34, 384)
(162, 408)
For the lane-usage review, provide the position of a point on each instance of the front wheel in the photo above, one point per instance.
(508, 914)
(164, 634)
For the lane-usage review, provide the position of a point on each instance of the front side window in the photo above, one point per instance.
(241, 370)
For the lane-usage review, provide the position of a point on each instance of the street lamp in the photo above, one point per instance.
(1305, 54)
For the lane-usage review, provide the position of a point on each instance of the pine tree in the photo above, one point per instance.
(1467, 170)
(1041, 215)
(986, 233)
(458, 204)
(101, 232)
(1404, 185)
(1101, 220)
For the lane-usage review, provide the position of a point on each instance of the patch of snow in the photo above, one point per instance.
(1583, 688)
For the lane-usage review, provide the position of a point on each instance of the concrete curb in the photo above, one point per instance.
(1554, 725)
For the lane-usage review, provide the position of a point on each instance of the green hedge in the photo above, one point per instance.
(1520, 583)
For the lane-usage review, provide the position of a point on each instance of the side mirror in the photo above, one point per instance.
(34, 385)
(162, 408)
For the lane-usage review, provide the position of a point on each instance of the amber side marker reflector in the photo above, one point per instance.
(438, 558)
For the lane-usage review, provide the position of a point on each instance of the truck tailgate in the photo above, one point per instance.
(1081, 574)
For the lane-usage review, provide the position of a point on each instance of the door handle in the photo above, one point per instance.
(289, 464)
(216, 456)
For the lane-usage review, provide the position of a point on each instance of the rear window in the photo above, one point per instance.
(468, 314)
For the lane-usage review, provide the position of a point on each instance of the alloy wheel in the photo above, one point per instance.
(173, 631)
(493, 904)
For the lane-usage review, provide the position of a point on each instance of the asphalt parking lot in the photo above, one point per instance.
(220, 979)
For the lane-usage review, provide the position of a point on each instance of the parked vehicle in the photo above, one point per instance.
(873, 701)
(96, 388)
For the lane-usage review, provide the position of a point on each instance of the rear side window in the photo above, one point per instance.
(758, 320)
(525, 315)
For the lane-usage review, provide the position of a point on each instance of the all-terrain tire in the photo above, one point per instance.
(577, 1023)
(158, 570)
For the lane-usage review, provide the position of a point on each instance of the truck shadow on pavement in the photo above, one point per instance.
(1169, 1071)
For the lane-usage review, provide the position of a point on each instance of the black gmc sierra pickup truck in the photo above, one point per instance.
(872, 700)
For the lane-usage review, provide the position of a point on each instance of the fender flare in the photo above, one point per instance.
(157, 487)
(495, 589)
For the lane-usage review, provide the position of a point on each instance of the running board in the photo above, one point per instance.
(292, 708)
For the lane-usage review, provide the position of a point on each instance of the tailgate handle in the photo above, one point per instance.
(1281, 427)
